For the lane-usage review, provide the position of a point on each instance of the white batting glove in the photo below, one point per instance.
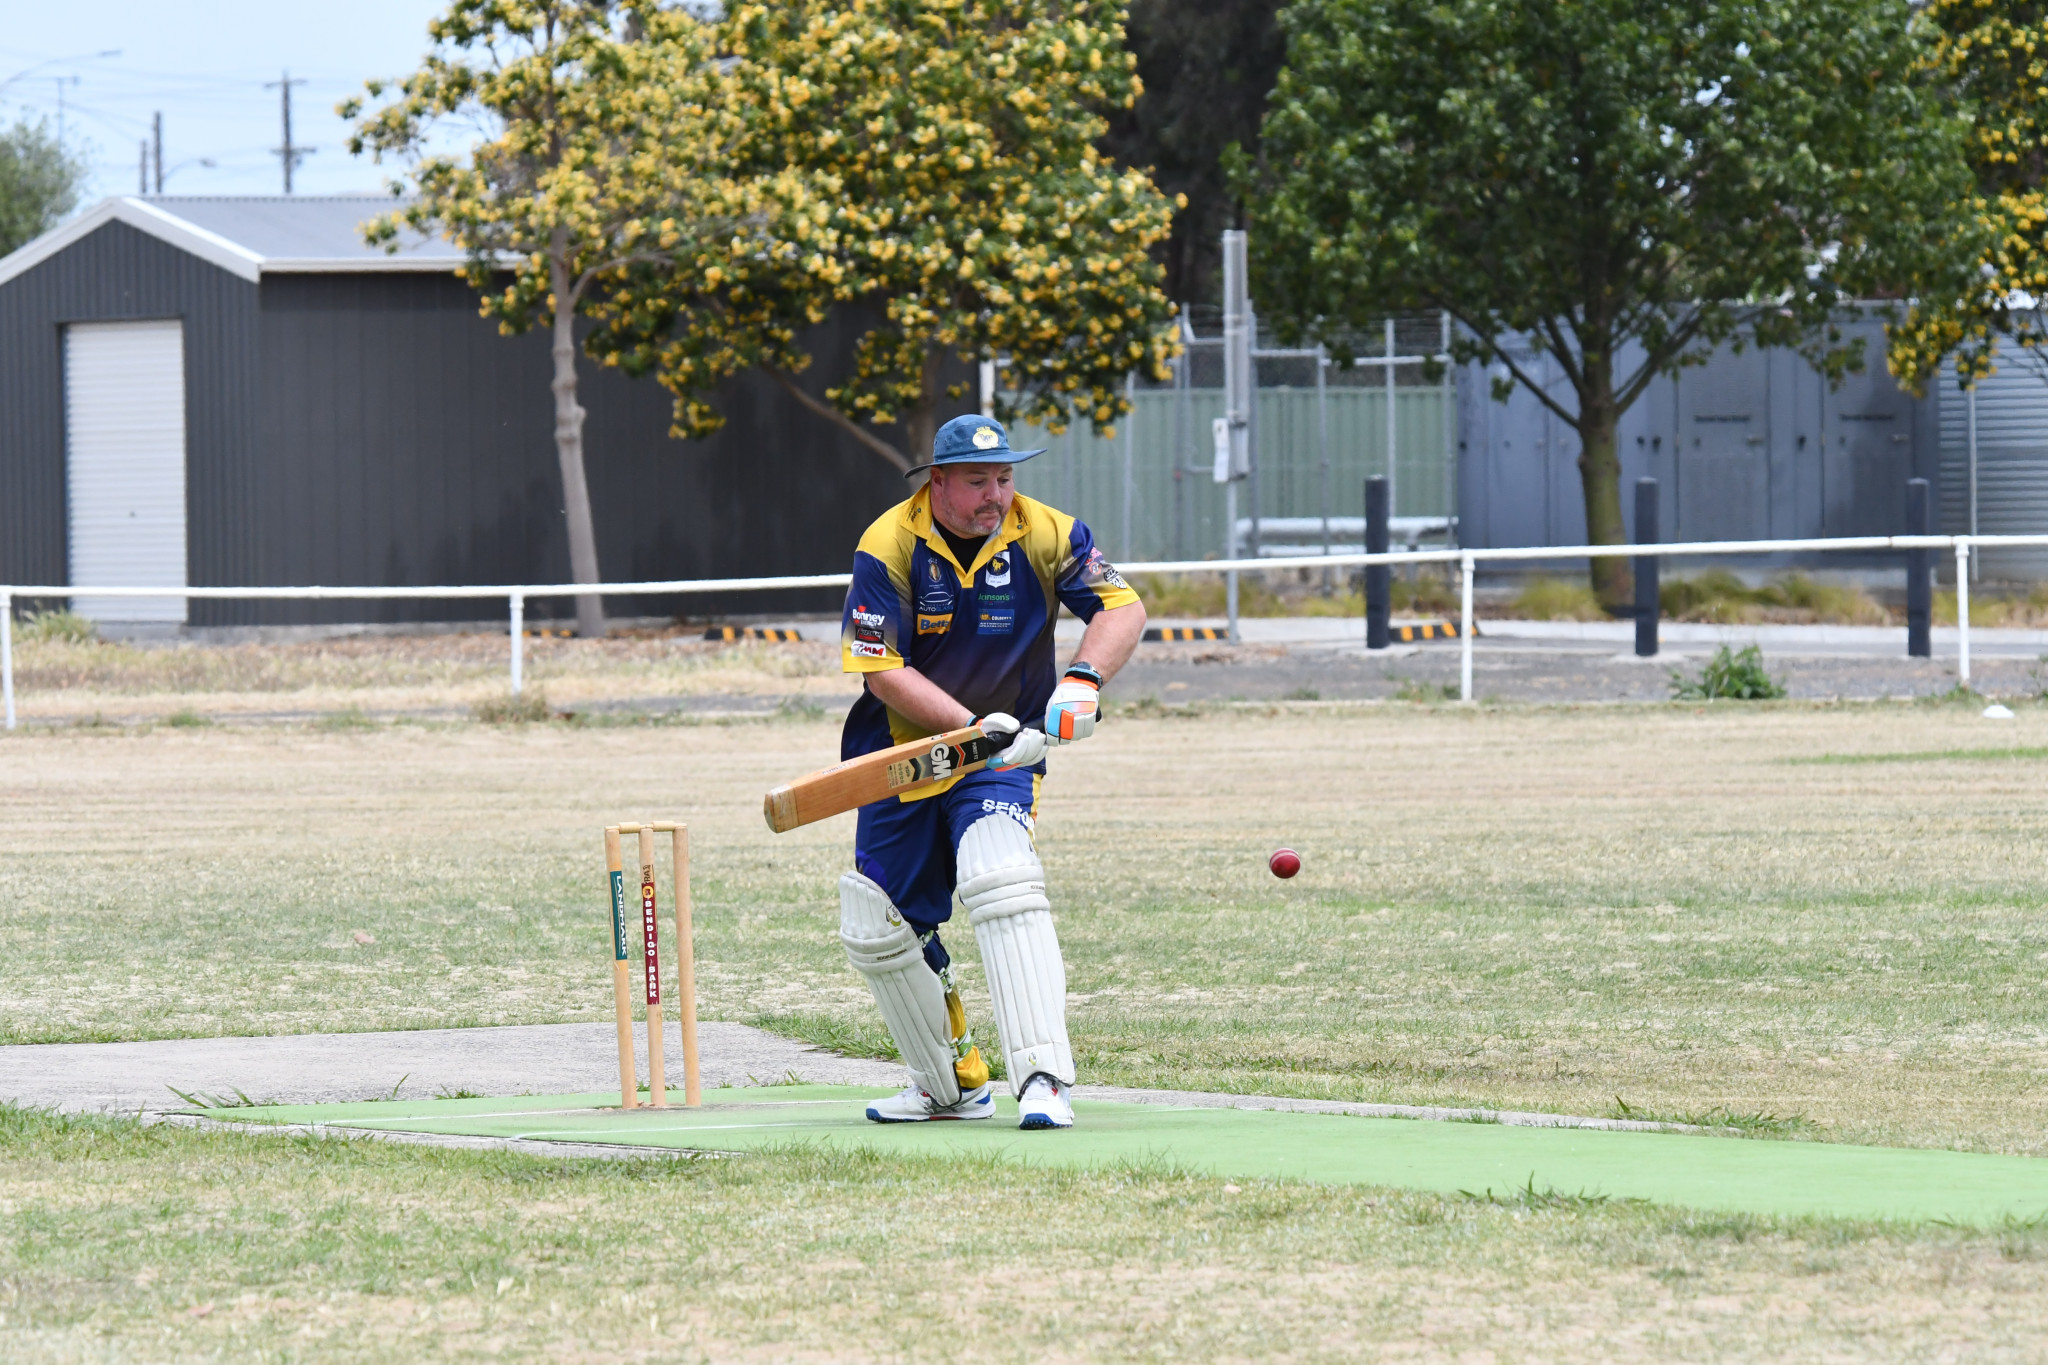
(1026, 748)
(1070, 712)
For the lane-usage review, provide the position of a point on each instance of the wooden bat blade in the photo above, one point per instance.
(876, 777)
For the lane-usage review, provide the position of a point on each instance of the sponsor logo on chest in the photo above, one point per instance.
(998, 612)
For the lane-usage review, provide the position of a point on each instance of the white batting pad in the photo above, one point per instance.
(886, 951)
(1003, 888)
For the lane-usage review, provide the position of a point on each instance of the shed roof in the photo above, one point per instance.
(252, 235)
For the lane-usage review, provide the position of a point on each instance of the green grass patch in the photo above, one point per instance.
(2025, 754)
(850, 1037)
(119, 1241)
(1651, 904)
(1750, 1124)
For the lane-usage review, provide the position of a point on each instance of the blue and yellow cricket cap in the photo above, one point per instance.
(973, 439)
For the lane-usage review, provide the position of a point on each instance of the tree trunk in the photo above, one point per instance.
(569, 444)
(1600, 480)
(921, 423)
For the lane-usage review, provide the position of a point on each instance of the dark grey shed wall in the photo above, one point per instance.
(1752, 445)
(111, 275)
(406, 441)
(372, 429)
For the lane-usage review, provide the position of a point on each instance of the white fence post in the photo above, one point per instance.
(1966, 549)
(518, 637)
(1963, 611)
(1465, 629)
(1124, 548)
(7, 654)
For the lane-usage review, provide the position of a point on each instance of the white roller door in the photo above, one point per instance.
(124, 447)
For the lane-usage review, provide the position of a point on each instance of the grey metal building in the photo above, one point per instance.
(1751, 445)
(236, 391)
(2003, 490)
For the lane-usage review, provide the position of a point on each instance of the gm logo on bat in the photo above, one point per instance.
(942, 762)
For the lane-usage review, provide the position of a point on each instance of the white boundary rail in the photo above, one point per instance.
(516, 595)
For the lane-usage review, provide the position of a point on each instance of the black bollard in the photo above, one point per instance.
(1646, 569)
(1379, 596)
(1919, 576)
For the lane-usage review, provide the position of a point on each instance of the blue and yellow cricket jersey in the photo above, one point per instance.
(981, 631)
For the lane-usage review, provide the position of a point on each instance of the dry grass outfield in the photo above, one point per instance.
(1532, 908)
(118, 1243)
(63, 680)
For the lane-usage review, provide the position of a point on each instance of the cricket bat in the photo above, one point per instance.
(877, 776)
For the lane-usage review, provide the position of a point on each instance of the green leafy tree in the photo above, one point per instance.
(1624, 183)
(40, 182)
(1208, 67)
(936, 161)
(599, 151)
(1994, 55)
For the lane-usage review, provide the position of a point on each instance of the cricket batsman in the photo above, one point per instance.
(950, 622)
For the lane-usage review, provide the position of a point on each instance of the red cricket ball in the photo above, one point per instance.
(1285, 862)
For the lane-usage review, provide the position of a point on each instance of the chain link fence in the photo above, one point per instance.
(1320, 429)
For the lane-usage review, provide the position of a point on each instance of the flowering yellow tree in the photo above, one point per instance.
(1994, 55)
(936, 160)
(601, 150)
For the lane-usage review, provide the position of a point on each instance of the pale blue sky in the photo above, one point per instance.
(204, 66)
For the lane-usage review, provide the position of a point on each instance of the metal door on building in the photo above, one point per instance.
(1723, 457)
(124, 465)
(1867, 455)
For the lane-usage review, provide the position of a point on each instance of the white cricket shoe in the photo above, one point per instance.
(912, 1105)
(1044, 1104)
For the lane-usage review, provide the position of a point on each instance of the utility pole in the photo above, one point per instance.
(142, 173)
(158, 135)
(61, 82)
(289, 154)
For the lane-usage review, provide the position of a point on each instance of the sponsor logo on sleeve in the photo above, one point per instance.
(1097, 571)
(868, 634)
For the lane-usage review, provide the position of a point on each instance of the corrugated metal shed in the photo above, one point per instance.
(1751, 445)
(351, 420)
(2012, 461)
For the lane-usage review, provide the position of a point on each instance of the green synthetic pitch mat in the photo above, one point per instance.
(1727, 1174)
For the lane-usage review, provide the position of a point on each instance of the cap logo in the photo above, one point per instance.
(985, 438)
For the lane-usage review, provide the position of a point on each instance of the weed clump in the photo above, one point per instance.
(1737, 676)
(1720, 597)
(1425, 692)
(58, 628)
(1184, 595)
(1557, 599)
(523, 709)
